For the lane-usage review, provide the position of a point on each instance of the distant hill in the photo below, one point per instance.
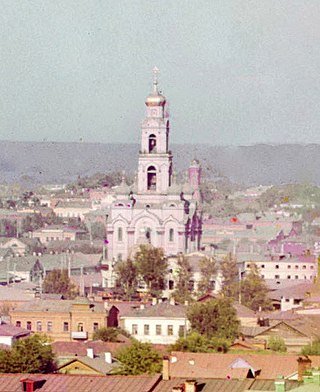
(51, 162)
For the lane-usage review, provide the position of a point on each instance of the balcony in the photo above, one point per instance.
(79, 335)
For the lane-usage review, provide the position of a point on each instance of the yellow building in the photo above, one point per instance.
(62, 320)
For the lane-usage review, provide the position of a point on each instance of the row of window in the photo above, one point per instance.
(277, 266)
(289, 277)
(158, 330)
(120, 235)
(49, 325)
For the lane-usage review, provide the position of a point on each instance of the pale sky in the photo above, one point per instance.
(234, 72)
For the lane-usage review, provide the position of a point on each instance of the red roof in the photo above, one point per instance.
(207, 365)
(80, 383)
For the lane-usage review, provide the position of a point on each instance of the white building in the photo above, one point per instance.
(160, 323)
(156, 209)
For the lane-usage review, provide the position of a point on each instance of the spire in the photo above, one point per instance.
(155, 72)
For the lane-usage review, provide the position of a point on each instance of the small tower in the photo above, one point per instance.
(194, 177)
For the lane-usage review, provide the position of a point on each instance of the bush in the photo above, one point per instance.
(276, 343)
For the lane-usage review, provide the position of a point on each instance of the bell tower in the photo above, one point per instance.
(155, 159)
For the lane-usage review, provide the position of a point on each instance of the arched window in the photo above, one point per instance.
(151, 178)
(120, 234)
(152, 143)
(80, 327)
(171, 235)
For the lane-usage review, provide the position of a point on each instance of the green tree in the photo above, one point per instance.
(58, 282)
(139, 358)
(106, 334)
(31, 355)
(312, 348)
(254, 291)
(215, 318)
(230, 277)
(276, 343)
(127, 277)
(183, 291)
(152, 267)
(193, 342)
(208, 268)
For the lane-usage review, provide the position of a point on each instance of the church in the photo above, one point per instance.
(156, 209)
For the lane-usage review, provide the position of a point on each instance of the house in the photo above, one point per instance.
(72, 209)
(290, 297)
(159, 323)
(58, 233)
(10, 333)
(91, 363)
(63, 320)
(296, 333)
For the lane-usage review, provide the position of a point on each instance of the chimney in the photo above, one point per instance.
(108, 358)
(280, 384)
(186, 303)
(190, 386)
(304, 363)
(165, 368)
(28, 385)
(90, 353)
(141, 306)
(154, 301)
(172, 301)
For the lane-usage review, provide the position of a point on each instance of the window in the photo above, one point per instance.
(262, 276)
(289, 277)
(39, 326)
(171, 235)
(289, 266)
(277, 276)
(304, 267)
(152, 143)
(119, 257)
(262, 265)
(29, 325)
(296, 277)
(296, 267)
(120, 234)
(296, 301)
(277, 266)
(146, 329)
(170, 330)
(65, 326)
(95, 327)
(151, 178)
(80, 327)
(134, 329)
(311, 267)
(287, 300)
(158, 329)
(49, 326)
(171, 284)
(181, 331)
(18, 324)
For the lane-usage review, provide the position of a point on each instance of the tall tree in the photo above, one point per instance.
(215, 318)
(58, 282)
(184, 285)
(152, 267)
(254, 290)
(139, 358)
(127, 277)
(208, 268)
(230, 277)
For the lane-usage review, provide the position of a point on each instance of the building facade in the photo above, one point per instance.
(156, 209)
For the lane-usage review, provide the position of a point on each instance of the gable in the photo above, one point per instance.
(283, 330)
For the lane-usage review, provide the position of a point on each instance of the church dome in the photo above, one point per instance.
(155, 100)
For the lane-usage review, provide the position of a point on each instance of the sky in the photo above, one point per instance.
(234, 72)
